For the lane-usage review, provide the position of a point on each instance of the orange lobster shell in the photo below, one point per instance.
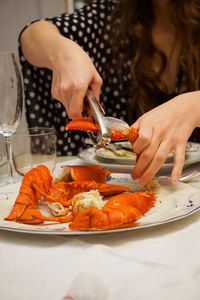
(38, 182)
(119, 210)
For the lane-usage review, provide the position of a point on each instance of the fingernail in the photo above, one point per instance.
(174, 178)
(133, 176)
(141, 182)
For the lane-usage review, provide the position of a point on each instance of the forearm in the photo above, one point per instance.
(40, 43)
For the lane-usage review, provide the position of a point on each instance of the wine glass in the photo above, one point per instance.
(11, 102)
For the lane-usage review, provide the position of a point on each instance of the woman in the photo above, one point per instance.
(141, 58)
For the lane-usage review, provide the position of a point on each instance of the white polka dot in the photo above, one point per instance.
(26, 80)
(85, 39)
(32, 116)
(116, 93)
(101, 45)
(64, 114)
(118, 106)
(32, 94)
(76, 137)
(60, 142)
(36, 107)
(88, 30)
(80, 33)
(37, 141)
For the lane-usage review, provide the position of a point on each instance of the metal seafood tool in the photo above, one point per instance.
(103, 138)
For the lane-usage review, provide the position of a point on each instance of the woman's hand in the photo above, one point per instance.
(163, 129)
(73, 73)
(73, 70)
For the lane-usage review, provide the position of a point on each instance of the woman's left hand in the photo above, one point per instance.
(163, 129)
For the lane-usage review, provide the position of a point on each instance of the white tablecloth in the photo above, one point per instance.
(157, 263)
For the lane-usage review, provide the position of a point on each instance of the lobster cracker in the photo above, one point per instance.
(91, 105)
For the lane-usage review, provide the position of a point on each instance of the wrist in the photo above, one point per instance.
(193, 106)
(61, 51)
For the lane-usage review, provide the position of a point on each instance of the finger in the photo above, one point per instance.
(75, 103)
(54, 87)
(156, 163)
(144, 139)
(96, 85)
(179, 159)
(144, 159)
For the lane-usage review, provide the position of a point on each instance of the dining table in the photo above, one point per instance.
(153, 262)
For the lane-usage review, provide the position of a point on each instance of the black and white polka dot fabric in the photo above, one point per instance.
(86, 27)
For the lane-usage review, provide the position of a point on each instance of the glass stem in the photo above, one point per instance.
(9, 158)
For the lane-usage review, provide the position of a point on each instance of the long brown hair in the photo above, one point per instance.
(133, 21)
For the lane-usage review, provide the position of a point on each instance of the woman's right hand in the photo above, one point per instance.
(73, 70)
(73, 73)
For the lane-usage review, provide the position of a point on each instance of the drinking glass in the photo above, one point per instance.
(11, 102)
(32, 147)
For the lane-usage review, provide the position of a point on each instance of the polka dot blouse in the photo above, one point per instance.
(86, 27)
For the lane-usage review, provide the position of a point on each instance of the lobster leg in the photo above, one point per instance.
(58, 193)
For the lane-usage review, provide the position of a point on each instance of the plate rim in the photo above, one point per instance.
(127, 167)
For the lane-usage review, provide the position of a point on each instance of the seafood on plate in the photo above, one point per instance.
(88, 124)
(118, 210)
(80, 202)
(80, 173)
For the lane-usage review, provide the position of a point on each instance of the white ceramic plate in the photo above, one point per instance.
(175, 201)
(126, 164)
